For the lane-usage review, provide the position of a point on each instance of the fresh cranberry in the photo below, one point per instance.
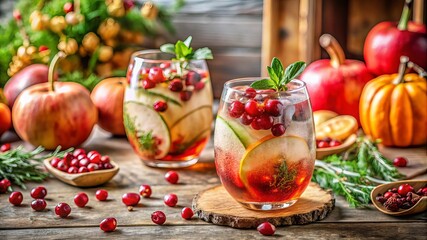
(265, 121)
(54, 162)
(68, 157)
(75, 163)
(158, 217)
(17, 15)
(387, 195)
(145, 191)
(252, 108)
(156, 75)
(400, 162)
(92, 167)
(95, 158)
(266, 229)
(323, 144)
(246, 119)
(381, 199)
(62, 166)
(131, 199)
(84, 162)
(250, 92)
(82, 156)
(89, 154)
(38, 192)
(185, 95)
(172, 177)
(108, 165)
(38, 204)
(83, 170)
(100, 166)
(81, 199)
(393, 190)
(278, 129)
(68, 7)
(147, 84)
(101, 195)
(43, 48)
(78, 152)
(165, 65)
(16, 198)
(236, 109)
(255, 124)
(105, 159)
(176, 85)
(404, 189)
(4, 185)
(170, 200)
(199, 86)
(72, 170)
(274, 107)
(187, 213)
(108, 225)
(62, 210)
(5, 147)
(160, 106)
(192, 78)
(424, 191)
(334, 143)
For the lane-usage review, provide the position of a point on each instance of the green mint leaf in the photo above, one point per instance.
(187, 41)
(273, 75)
(264, 84)
(292, 71)
(278, 68)
(168, 48)
(203, 53)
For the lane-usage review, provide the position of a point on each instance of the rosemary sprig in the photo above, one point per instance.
(20, 166)
(355, 173)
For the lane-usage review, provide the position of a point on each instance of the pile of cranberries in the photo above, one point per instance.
(327, 142)
(261, 113)
(403, 197)
(80, 162)
(184, 85)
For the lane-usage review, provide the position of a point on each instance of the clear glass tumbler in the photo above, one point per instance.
(264, 144)
(167, 108)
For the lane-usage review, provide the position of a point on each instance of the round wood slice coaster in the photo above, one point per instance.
(215, 205)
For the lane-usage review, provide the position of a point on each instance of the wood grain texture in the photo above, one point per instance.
(217, 206)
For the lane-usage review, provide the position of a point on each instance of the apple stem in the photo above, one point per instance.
(403, 22)
(404, 60)
(334, 49)
(52, 67)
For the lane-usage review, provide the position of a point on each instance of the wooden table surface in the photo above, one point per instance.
(24, 223)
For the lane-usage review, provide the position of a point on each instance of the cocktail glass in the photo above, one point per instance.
(264, 144)
(167, 108)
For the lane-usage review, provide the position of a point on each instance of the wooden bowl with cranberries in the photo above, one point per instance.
(401, 198)
(82, 169)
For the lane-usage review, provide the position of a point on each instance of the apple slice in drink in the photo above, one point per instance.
(193, 126)
(228, 153)
(270, 168)
(146, 130)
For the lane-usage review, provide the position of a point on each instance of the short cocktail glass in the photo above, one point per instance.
(264, 144)
(167, 108)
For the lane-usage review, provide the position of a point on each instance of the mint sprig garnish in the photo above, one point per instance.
(183, 51)
(279, 77)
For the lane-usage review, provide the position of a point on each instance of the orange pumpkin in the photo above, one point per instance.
(394, 108)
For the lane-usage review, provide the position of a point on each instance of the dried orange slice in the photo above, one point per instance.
(322, 116)
(338, 128)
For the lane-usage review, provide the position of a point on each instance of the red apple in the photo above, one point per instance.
(335, 84)
(387, 41)
(33, 74)
(55, 113)
(5, 118)
(108, 97)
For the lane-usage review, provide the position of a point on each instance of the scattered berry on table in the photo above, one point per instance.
(38, 192)
(158, 217)
(81, 199)
(266, 229)
(145, 191)
(172, 177)
(171, 200)
(187, 213)
(62, 210)
(16, 198)
(101, 195)
(38, 204)
(108, 225)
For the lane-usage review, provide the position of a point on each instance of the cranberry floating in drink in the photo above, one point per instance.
(168, 104)
(264, 138)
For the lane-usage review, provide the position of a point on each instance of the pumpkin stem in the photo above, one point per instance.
(331, 45)
(417, 69)
(404, 60)
(404, 18)
(52, 67)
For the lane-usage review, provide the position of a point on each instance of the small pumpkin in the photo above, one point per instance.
(393, 108)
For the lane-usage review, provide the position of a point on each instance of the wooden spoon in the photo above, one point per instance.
(420, 206)
(88, 179)
(323, 152)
